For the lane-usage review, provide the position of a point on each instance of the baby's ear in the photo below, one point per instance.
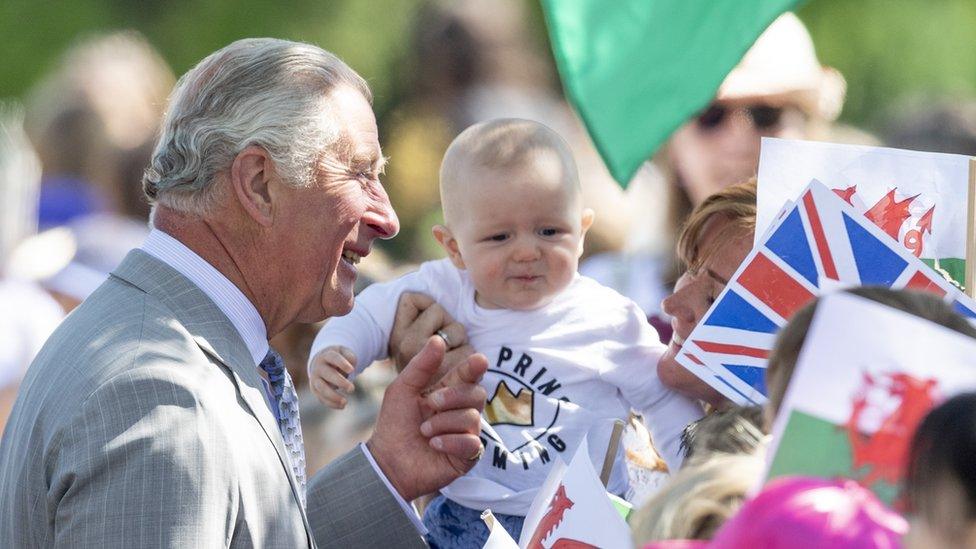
(447, 241)
(587, 221)
(585, 225)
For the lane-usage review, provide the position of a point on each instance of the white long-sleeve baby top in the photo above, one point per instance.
(556, 374)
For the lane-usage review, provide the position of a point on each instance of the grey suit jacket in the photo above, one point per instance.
(143, 423)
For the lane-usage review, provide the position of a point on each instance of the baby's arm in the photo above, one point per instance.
(633, 356)
(346, 345)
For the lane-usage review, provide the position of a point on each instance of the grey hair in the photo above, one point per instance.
(698, 499)
(256, 91)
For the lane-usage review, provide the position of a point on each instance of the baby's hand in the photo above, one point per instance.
(328, 375)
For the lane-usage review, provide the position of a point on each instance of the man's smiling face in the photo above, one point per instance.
(332, 223)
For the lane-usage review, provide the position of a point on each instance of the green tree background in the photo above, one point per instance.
(890, 51)
(369, 35)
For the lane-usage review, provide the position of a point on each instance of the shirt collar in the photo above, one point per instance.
(228, 297)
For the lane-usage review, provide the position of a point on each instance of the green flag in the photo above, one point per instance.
(635, 70)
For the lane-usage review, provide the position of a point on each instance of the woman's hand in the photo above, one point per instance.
(418, 317)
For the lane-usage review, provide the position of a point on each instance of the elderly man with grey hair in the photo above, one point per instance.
(157, 415)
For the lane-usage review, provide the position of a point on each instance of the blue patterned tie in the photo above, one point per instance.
(286, 410)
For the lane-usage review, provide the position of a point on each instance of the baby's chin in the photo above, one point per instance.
(515, 303)
(533, 305)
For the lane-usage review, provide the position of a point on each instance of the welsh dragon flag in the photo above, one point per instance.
(635, 70)
(919, 199)
(572, 510)
(865, 378)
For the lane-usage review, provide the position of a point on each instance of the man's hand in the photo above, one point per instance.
(426, 437)
(417, 318)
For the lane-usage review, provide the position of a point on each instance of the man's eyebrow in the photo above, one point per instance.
(716, 276)
(372, 160)
(342, 147)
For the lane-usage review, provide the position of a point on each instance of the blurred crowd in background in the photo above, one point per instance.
(81, 112)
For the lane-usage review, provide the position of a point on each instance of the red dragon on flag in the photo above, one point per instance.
(554, 517)
(891, 215)
(884, 453)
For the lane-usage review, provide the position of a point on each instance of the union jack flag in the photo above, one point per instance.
(818, 242)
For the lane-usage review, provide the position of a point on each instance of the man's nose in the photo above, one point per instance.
(380, 217)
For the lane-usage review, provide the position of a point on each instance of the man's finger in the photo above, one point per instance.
(463, 447)
(474, 369)
(458, 397)
(455, 357)
(470, 370)
(422, 367)
(465, 420)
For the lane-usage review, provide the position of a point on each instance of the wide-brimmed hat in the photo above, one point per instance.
(782, 66)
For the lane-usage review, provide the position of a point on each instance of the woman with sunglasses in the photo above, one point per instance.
(779, 89)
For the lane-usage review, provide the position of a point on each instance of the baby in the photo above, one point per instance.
(567, 356)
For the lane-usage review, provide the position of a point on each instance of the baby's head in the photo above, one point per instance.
(513, 212)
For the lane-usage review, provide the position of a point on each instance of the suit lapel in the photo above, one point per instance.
(216, 336)
(253, 393)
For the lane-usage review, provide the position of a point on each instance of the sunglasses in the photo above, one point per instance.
(764, 117)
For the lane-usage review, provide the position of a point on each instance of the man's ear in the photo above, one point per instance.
(250, 177)
(447, 241)
(585, 225)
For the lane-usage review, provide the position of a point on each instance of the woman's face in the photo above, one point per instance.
(696, 290)
(720, 146)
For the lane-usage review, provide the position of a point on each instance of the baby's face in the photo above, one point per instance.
(519, 235)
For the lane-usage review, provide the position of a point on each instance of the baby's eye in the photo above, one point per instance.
(549, 231)
(498, 237)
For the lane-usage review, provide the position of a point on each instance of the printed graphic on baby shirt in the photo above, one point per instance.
(506, 408)
(528, 414)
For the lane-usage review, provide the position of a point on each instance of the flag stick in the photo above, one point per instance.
(489, 519)
(490, 430)
(970, 282)
(618, 429)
